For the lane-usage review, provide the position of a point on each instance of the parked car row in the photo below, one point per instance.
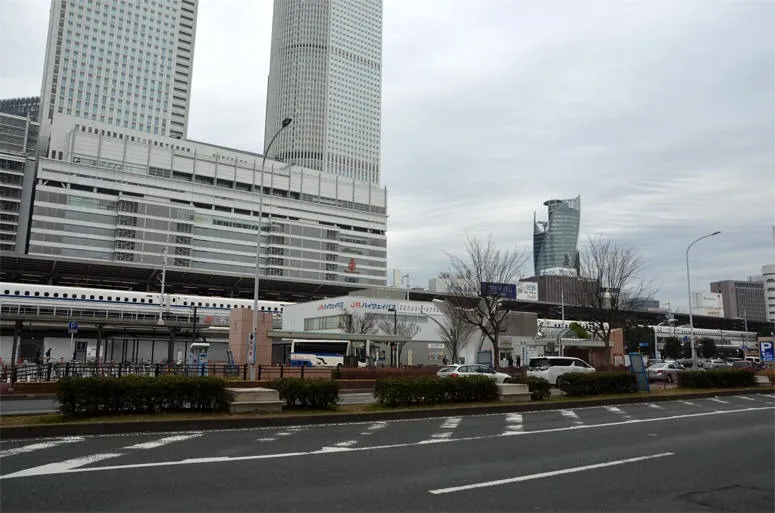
(550, 368)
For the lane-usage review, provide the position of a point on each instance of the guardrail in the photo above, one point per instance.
(55, 371)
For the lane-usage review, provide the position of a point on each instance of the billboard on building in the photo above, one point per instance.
(501, 290)
(527, 291)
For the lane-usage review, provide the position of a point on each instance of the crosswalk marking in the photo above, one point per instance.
(40, 445)
(717, 400)
(451, 423)
(348, 443)
(572, 415)
(618, 411)
(652, 405)
(513, 423)
(153, 444)
(688, 403)
(746, 398)
(374, 427)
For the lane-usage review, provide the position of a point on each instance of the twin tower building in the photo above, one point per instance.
(115, 177)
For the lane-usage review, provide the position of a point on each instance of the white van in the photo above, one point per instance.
(551, 367)
(755, 359)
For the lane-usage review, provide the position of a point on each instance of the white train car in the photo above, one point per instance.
(145, 302)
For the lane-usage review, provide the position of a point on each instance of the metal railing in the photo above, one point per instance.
(55, 371)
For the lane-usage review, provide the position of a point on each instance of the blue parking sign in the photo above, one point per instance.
(767, 351)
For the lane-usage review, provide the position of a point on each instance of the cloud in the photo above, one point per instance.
(661, 114)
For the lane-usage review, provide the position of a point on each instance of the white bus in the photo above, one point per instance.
(319, 353)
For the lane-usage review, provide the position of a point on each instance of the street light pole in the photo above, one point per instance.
(689, 288)
(163, 281)
(256, 278)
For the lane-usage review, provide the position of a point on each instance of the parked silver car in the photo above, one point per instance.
(666, 372)
(472, 369)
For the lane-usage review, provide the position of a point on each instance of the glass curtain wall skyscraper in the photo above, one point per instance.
(125, 63)
(555, 241)
(325, 73)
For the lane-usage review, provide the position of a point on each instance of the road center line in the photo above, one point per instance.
(541, 475)
(61, 468)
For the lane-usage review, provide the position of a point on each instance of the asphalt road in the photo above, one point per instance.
(698, 455)
(37, 406)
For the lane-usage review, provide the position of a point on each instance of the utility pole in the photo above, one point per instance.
(163, 281)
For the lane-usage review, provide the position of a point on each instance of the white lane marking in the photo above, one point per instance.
(153, 444)
(618, 411)
(717, 400)
(63, 467)
(688, 402)
(373, 428)
(284, 433)
(40, 445)
(572, 415)
(442, 435)
(265, 439)
(325, 450)
(348, 443)
(451, 423)
(652, 405)
(513, 424)
(552, 473)
(744, 397)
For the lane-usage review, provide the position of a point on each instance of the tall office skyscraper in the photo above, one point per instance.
(125, 63)
(325, 73)
(555, 240)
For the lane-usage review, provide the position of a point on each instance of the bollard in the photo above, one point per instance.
(245, 372)
(259, 372)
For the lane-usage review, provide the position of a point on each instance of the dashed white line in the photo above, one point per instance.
(744, 397)
(442, 435)
(717, 400)
(652, 405)
(265, 439)
(41, 445)
(688, 403)
(348, 443)
(153, 444)
(373, 428)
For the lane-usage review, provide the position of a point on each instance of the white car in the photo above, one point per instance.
(552, 367)
(472, 369)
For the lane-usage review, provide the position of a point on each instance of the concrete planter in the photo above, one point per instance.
(513, 392)
(253, 400)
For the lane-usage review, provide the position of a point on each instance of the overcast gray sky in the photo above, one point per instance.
(661, 114)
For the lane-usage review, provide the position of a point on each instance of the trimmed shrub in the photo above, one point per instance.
(610, 382)
(140, 394)
(539, 387)
(316, 394)
(717, 378)
(434, 390)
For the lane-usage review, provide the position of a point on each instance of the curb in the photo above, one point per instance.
(25, 397)
(162, 426)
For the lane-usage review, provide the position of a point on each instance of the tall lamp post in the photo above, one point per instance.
(689, 287)
(285, 123)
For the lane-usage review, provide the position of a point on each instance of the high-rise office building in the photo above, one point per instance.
(325, 73)
(742, 299)
(125, 63)
(25, 107)
(555, 240)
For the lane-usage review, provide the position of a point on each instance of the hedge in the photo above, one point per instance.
(610, 382)
(539, 387)
(434, 390)
(140, 394)
(717, 378)
(318, 394)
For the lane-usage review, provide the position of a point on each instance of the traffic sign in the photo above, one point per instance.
(72, 327)
(767, 351)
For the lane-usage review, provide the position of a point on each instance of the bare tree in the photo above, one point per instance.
(359, 323)
(454, 330)
(403, 328)
(609, 279)
(478, 302)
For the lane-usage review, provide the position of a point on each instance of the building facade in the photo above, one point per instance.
(106, 194)
(768, 280)
(127, 64)
(325, 73)
(555, 240)
(24, 107)
(18, 142)
(742, 299)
